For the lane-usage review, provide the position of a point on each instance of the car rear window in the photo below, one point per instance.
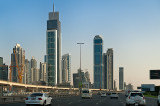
(36, 94)
(85, 91)
(136, 94)
(113, 93)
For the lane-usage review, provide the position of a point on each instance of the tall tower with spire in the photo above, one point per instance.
(53, 48)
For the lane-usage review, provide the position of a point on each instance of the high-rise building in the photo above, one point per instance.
(1, 60)
(110, 69)
(33, 63)
(34, 75)
(121, 78)
(18, 54)
(27, 71)
(3, 70)
(34, 71)
(66, 68)
(87, 76)
(53, 49)
(105, 70)
(78, 78)
(98, 62)
(43, 72)
(75, 80)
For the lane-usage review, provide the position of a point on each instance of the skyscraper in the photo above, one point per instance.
(3, 70)
(87, 76)
(98, 62)
(19, 53)
(66, 68)
(121, 78)
(27, 71)
(34, 71)
(1, 60)
(53, 48)
(43, 72)
(78, 78)
(110, 69)
(105, 70)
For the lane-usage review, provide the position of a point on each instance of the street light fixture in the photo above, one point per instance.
(80, 53)
(80, 67)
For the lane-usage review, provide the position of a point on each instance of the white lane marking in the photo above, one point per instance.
(70, 103)
(79, 100)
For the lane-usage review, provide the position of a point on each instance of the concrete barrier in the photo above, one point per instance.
(21, 97)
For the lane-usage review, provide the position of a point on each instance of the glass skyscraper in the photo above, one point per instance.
(53, 50)
(98, 62)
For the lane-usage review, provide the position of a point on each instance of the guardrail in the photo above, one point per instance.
(21, 98)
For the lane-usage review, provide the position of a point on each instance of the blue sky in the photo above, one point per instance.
(130, 27)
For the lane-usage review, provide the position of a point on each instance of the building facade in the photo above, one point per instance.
(1, 60)
(105, 70)
(66, 68)
(109, 69)
(34, 71)
(3, 70)
(98, 62)
(43, 72)
(19, 57)
(121, 78)
(53, 50)
(27, 71)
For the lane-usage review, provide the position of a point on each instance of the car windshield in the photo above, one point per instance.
(86, 91)
(136, 94)
(36, 94)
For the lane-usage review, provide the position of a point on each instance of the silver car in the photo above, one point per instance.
(38, 99)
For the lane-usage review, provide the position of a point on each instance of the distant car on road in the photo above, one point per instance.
(7, 93)
(114, 95)
(86, 93)
(38, 99)
(108, 93)
(103, 94)
(135, 98)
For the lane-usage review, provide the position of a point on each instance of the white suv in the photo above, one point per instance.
(135, 98)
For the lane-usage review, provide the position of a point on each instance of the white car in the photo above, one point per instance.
(135, 98)
(38, 99)
(103, 94)
(114, 95)
(86, 93)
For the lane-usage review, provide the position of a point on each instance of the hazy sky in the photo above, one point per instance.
(130, 27)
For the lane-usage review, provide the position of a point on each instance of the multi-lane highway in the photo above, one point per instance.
(95, 101)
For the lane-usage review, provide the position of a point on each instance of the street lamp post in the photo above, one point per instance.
(80, 67)
(80, 53)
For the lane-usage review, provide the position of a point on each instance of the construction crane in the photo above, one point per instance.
(20, 72)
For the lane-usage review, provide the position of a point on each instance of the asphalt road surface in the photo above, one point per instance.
(95, 101)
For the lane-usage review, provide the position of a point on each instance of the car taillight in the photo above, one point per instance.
(39, 98)
(26, 98)
(143, 98)
(128, 97)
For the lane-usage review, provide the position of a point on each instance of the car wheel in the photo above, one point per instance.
(127, 104)
(44, 104)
